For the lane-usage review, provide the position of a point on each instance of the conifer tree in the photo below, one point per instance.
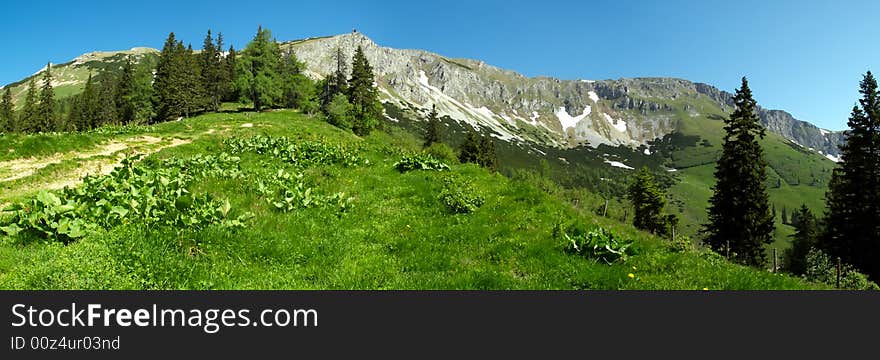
(192, 97)
(167, 84)
(740, 222)
(433, 129)
(7, 112)
(785, 215)
(649, 202)
(124, 92)
(803, 240)
(479, 150)
(229, 91)
(104, 107)
(46, 112)
(86, 107)
(212, 71)
(362, 95)
(257, 71)
(29, 109)
(853, 200)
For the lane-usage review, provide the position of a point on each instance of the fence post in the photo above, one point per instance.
(838, 272)
(605, 211)
(775, 261)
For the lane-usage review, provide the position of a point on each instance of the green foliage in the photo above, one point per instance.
(418, 161)
(7, 112)
(129, 194)
(257, 69)
(288, 192)
(178, 89)
(363, 95)
(740, 221)
(649, 202)
(478, 149)
(46, 119)
(441, 152)
(597, 243)
(459, 195)
(820, 268)
(433, 129)
(681, 244)
(299, 153)
(804, 239)
(340, 112)
(853, 198)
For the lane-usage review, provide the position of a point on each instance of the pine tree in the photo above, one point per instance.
(479, 150)
(212, 71)
(124, 92)
(104, 107)
(291, 79)
(46, 119)
(853, 199)
(740, 222)
(487, 156)
(192, 97)
(167, 87)
(433, 129)
(257, 71)
(363, 95)
(649, 202)
(803, 240)
(29, 110)
(86, 107)
(470, 148)
(7, 112)
(229, 91)
(785, 216)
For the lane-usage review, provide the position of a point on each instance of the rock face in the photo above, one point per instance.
(549, 111)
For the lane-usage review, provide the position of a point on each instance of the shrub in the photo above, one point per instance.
(820, 268)
(418, 161)
(459, 195)
(681, 244)
(339, 112)
(598, 243)
(442, 152)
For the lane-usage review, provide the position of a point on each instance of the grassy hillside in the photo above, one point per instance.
(371, 227)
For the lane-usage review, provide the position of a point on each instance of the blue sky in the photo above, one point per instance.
(805, 57)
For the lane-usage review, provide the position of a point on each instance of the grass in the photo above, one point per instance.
(396, 236)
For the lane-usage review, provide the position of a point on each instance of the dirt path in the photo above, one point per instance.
(96, 161)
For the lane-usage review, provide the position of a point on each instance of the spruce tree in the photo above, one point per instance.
(740, 222)
(167, 86)
(291, 79)
(487, 156)
(853, 200)
(363, 95)
(229, 91)
(46, 119)
(433, 128)
(29, 110)
(7, 112)
(212, 71)
(192, 96)
(257, 71)
(649, 202)
(104, 108)
(86, 107)
(803, 240)
(124, 92)
(469, 152)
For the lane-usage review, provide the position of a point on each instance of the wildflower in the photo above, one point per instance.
(705, 289)
(634, 268)
(631, 275)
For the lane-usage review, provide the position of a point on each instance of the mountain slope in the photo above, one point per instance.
(394, 234)
(545, 110)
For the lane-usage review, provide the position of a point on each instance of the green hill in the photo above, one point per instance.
(304, 205)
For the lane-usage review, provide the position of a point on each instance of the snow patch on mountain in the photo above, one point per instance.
(832, 157)
(593, 96)
(619, 125)
(568, 121)
(619, 164)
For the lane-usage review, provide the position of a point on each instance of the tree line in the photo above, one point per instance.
(741, 220)
(186, 82)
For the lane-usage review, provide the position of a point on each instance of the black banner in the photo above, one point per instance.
(331, 324)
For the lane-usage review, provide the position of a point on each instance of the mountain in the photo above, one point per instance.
(544, 110)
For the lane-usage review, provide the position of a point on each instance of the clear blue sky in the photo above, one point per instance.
(805, 57)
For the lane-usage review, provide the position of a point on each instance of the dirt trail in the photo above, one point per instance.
(89, 162)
